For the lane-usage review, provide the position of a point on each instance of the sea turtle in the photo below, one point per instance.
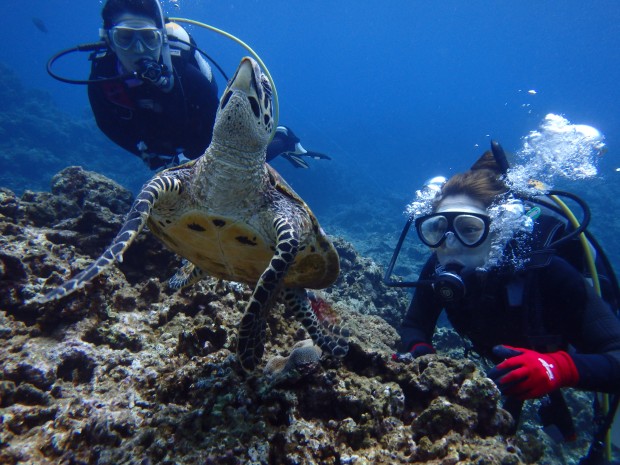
(232, 216)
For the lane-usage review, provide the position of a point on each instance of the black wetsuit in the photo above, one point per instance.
(544, 308)
(169, 123)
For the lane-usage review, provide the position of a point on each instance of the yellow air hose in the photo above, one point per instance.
(597, 287)
(276, 102)
(584, 243)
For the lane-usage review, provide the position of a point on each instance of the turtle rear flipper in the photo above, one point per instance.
(135, 221)
(186, 275)
(330, 338)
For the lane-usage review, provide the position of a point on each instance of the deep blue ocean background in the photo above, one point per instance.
(395, 92)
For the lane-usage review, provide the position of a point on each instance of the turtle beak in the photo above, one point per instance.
(244, 79)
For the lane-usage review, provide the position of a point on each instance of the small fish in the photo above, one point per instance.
(532, 92)
(40, 25)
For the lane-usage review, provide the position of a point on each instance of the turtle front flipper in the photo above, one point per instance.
(186, 275)
(332, 339)
(251, 342)
(135, 221)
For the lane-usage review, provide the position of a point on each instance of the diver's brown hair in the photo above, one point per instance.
(483, 182)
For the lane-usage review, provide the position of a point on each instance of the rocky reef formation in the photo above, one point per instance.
(128, 372)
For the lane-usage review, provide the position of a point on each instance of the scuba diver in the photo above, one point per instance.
(541, 325)
(153, 93)
(164, 109)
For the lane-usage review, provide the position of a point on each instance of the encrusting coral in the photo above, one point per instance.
(130, 372)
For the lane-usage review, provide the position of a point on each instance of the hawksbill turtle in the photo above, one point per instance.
(232, 216)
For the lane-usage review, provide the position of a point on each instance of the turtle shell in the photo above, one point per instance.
(238, 246)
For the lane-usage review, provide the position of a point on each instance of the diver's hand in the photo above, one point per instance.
(527, 374)
(417, 350)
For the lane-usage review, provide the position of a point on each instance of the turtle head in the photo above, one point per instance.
(245, 115)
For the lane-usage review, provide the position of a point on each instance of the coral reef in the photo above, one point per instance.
(129, 372)
(360, 287)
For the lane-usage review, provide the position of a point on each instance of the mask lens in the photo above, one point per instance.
(469, 229)
(433, 229)
(150, 37)
(125, 37)
(122, 37)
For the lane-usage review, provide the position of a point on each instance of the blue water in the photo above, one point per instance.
(395, 92)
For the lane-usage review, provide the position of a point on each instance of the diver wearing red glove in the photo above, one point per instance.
(540, 322)
(527, 374)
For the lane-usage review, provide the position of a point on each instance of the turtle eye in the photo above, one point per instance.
(266, 85)
(254, 105)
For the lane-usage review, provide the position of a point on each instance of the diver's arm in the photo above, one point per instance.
(419, 323)
(588, 324)
(598, 361)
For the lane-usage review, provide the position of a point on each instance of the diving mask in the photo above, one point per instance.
(471, 229)
(124, 36)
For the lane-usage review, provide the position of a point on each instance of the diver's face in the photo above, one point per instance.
(135, 38)
(452, 251)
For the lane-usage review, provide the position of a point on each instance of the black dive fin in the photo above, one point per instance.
(317, 156)
(295, 160)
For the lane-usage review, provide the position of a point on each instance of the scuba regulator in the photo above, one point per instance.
(155, 73)
(448, 283)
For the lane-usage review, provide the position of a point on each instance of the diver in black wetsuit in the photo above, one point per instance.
(164, 109)
(288, 146)
(542, 324)
(165, 112)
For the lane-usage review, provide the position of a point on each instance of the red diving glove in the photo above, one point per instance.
(526, 374)
(417, 350)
